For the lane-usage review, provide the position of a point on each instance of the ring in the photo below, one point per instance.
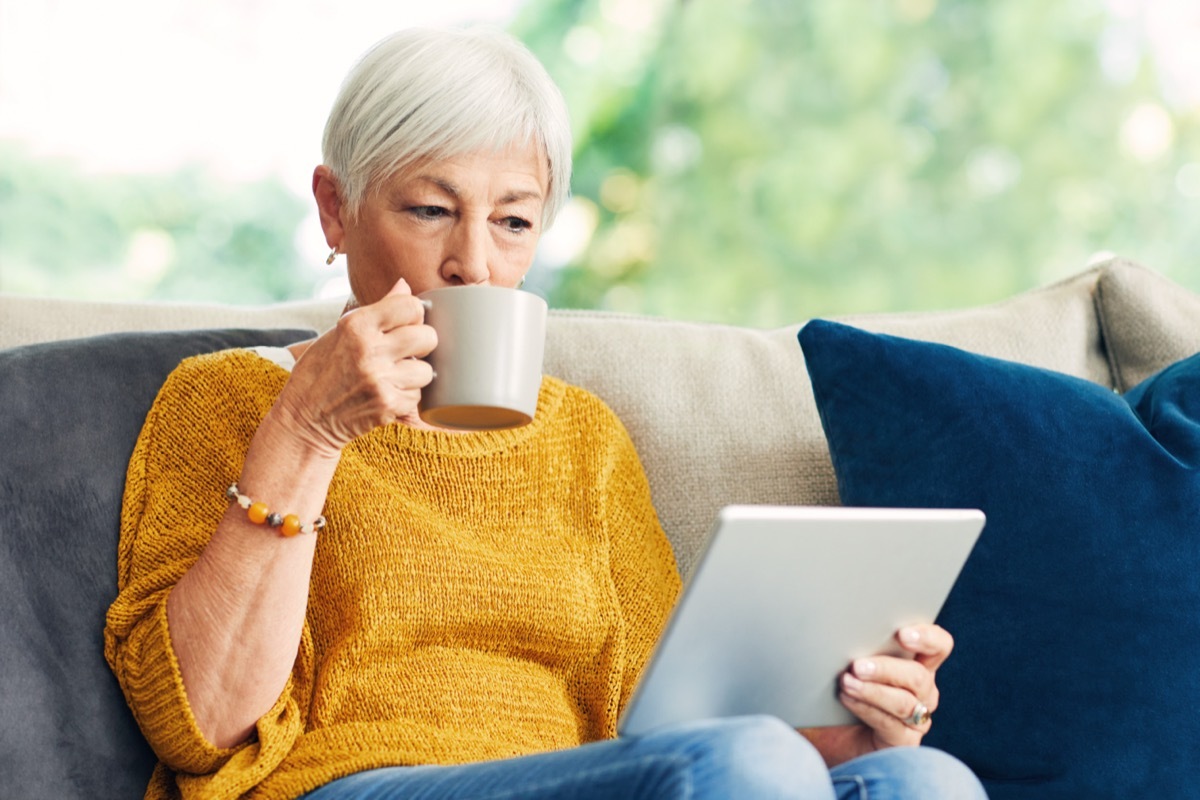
(919, 715)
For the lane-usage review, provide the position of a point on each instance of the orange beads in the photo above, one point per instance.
(290, 526)
(257, 512)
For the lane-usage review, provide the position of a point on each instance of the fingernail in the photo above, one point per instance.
(851, 684)
(864, 667)
(433, 372)
(427, 303)
(910, 636)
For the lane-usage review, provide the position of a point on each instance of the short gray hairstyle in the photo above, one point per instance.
(427, 93)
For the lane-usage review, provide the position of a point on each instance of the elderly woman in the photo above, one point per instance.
(478, 607)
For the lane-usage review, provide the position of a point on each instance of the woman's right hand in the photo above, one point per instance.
(364, 372)
(237, 616)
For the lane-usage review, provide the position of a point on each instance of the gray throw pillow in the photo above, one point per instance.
(71, 412)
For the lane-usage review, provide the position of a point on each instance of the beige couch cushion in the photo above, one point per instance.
(25, 320)
(726, 415)
(1148, 321)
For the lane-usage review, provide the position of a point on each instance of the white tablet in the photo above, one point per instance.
(785, 597)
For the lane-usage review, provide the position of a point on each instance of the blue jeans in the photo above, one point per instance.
(743, 757)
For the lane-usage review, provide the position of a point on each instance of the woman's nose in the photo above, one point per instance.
(466, 259)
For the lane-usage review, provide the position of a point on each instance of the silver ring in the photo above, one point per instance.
(919, 715)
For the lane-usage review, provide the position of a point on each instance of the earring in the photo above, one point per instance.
(333, 254)
(521, 282)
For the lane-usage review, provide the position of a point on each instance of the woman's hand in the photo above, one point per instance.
(363, 373)
(885, 692)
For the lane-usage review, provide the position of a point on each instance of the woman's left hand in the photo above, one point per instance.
(886, 693)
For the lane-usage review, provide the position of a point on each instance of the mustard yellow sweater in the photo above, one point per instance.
(474, 596)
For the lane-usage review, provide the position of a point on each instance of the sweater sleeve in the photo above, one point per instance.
(190, 448)
(643, 563)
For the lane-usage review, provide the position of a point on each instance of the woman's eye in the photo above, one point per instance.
(428, 212)
(516, 224)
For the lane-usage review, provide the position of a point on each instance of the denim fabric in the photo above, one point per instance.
(906, 772)
(743, 757)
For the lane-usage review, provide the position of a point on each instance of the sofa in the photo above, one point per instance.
(720, 415)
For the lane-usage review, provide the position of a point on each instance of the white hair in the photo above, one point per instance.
(423, 93)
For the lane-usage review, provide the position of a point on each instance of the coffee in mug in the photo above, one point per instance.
(488, 359)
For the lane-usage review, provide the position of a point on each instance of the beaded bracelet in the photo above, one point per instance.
(259, 514)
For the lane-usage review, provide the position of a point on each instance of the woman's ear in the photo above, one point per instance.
(328, 194)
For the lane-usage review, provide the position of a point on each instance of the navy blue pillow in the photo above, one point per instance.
(1077, 617)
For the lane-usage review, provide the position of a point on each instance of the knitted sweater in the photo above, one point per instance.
(474, 596)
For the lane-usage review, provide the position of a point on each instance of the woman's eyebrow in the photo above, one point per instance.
(517, 195)
(443, 184)
(511, 196)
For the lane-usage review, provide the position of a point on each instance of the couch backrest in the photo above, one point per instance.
(1147, 322)
(720, 414)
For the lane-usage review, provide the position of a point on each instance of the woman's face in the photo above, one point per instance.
(471, 219)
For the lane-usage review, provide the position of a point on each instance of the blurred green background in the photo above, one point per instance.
(747, 161)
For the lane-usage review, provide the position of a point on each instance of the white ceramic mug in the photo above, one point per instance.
(488, 359)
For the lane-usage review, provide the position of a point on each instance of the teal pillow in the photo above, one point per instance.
(1077, 617)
